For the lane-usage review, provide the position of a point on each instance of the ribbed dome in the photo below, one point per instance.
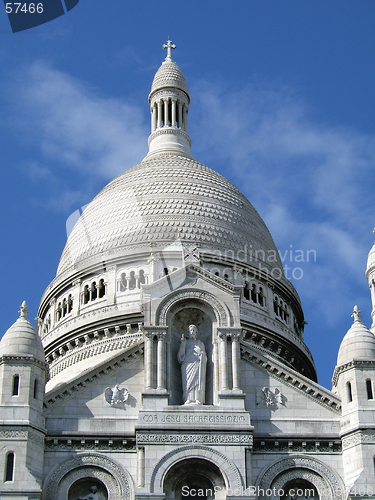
(169, 75)
(358, 343)
(164, 199)
(21, 339)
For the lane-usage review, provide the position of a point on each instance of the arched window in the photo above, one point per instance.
(64, 308)
(349, 395)
(16, 385)
(86, 294)
(253, 293)
(94, 291)
(246, 292)
(58, 312)
(142, 279)
(70, 303)
(260, 296)
(132, 281)
(101, 289)
(35, 389)
(369, 389)
(123, 282)
(9, 467)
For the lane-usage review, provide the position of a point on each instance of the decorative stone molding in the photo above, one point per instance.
(117, 480)
(326, 481)
(314, 391)
(13, 434)
(201, 438)
(170, 130)
(359, 437)
(352, 364)
(297, 446)
(234, 481)
(83, 351)
(24, 360)
(199, 295)
(90, 443)
(101, 373)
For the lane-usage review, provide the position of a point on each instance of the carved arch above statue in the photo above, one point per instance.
(231, 474)
(275, 476)
(220, 311)
(117, 480)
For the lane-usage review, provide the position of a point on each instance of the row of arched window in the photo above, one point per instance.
(64, 307)
(16, 386)
(369, 390)
(131, 281)
(254, 293)
(93, 291)
(280, 309)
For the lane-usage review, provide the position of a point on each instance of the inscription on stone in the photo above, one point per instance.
(187, 418)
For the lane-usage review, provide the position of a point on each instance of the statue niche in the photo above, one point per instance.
(193, 360)
(190, 369)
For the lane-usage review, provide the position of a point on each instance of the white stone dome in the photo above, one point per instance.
(164, 199)
(21, 339)
(358, 343)
(169, 75)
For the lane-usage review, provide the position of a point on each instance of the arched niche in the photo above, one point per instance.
(86, 487)
(86, 470)
(283, 473)
(182, 314)
(194, 478)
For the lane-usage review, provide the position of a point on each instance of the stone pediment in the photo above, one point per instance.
(287, 376)
(93, 375)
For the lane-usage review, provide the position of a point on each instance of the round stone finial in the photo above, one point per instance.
(23, 310)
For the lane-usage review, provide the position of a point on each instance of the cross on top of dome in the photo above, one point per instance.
(169, 46)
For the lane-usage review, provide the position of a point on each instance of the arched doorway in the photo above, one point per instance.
(88, 489)
(194, 479)
(299, 489)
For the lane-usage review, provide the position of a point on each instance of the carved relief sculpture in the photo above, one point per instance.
(116, 396)
(193, 360)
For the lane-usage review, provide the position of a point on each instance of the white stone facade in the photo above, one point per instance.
(97, 409)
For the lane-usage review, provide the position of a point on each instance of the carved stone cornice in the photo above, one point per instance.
(211, 438)
(23, 360)
(355, 363)
(358, 437)
(102, 372)
(293, 379)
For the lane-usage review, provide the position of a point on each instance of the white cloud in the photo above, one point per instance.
(312, 183)
(75, 131)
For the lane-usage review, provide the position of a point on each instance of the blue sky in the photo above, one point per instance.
(282, 105)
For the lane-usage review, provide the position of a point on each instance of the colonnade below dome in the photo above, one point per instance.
(169, 112)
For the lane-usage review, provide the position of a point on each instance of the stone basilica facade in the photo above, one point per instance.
(169, 360)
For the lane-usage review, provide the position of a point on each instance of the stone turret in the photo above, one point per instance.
(354, 380)
(23, 374)
(169, 105)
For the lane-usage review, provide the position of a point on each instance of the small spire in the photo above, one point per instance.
(23, 310)
(356, 314)
(169, 45)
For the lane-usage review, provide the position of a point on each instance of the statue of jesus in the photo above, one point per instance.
(193, 360)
